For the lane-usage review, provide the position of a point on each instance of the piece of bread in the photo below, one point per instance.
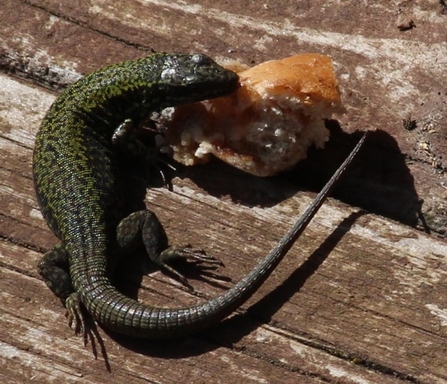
(268, 124)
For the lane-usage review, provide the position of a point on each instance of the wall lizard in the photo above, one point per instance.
(77, 178)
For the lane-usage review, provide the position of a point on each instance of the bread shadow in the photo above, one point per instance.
(377, 181)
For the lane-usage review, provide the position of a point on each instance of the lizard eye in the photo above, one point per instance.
(168, 73)
(190, 78)
(199, 58)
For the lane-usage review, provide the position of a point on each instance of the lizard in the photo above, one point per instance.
(77, 179)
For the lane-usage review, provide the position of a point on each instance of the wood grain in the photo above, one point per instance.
(361, 297)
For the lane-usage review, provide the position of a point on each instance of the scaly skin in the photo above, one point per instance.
(77, 176)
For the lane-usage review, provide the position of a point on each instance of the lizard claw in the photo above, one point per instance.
(186, 251)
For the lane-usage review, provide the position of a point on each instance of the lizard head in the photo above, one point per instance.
(190, 78)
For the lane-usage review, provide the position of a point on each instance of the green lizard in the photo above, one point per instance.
(78, 174)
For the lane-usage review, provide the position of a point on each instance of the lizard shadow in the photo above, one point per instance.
(232, 330)
(261, 312)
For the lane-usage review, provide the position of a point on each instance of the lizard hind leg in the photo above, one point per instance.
(145, 226)
(54, 269)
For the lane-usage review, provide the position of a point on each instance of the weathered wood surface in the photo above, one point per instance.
(362, 296)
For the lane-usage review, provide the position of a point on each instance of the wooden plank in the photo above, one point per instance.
(358, 299)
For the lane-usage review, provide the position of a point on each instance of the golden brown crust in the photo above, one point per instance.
(310, 77)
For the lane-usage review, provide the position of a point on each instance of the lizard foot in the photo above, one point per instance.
(198, 256)
(75, 315)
